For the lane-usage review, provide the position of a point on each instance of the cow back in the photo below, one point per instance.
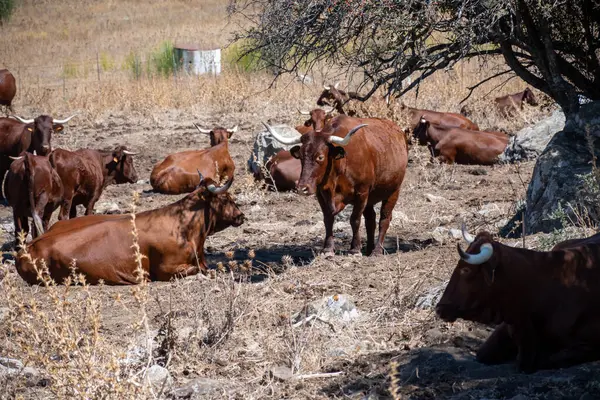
(8, 87)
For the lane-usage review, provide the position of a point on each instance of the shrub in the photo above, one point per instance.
(161, 60)
(6, 9)
(133, 63)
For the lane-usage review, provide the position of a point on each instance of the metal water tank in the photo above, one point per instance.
(194, 60)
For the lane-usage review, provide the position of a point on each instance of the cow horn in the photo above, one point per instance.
(201, 177)
(15, 158)
(281, 139)
(23, 120)
(200, 129)
(326, 87)
(423, 120)
(233, 130)
(63, 121)
(466, 235)
(329, 111)
(304, 112)
(218, 190)
(129, 153)
(35, 153)
(342, 142)
(337, 85)
(485, 253)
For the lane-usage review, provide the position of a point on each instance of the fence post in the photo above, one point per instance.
(64, 86)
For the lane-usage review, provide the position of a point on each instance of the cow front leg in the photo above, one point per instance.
(357, 213)
(527, 348)
(89, 207)
(65, 207)
(572, 355)
(21, 224)
(385, 218)
(499, 348)
(328, 219)
(370, 225)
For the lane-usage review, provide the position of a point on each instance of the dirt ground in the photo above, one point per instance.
(231, 331)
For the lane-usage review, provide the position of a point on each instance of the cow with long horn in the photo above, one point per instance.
(27, 135)
(170, 239)
(544, 302)
(352, 161)
(335, 97)
(86, 172)
(177, 174)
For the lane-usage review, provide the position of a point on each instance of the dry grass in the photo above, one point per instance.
(96, 342)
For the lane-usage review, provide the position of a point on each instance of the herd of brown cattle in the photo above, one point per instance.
(544, 304)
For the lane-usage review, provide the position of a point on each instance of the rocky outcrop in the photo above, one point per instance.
(265, 147)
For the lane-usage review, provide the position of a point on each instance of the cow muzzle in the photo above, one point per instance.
(239, 220)
(446, 312)
(305, 189)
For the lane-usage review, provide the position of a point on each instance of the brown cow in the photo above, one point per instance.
(177, 173)
(8, 89)
(26, 135)
(438, 118)
(508, 104)
(33, 189)
(462, 146)
(545, 302)
(336, 98)
(85, 173)
(361, 170)
(171, 239)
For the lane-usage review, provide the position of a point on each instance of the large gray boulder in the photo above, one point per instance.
(565, 180)
(530, 142)
(265, 147)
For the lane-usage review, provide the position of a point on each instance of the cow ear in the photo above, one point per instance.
(295, 152)
(338, 152)
(58, 127)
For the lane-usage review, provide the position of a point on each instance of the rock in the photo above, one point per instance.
(455, 233)
(143, 181)
(200, 387)
(530, 142)
(11, 368)
(440, 234)
(434, 199)
(8, 228)
(107, 207)
(158, 376)
(265, 147)
(282, 373)
(430, 298)
(562, 177)
(489, 209)
(337, 308)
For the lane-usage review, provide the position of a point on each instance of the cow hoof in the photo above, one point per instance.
(355, 252)
(328, 253)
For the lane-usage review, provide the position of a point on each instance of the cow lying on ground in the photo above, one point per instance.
(458, 145)
(85, 173)
(439, 118)
(171, 239)
(352, 161)
(546, 303)
(177, 173)
(508, 104)
(33, 189)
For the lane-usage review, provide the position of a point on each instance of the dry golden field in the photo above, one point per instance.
(229, 331)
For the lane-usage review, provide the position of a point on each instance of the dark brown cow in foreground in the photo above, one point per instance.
(171, 238)
(508, 104)
(462, 146)
(33, 189)
(439, 118)
(85, 173)
(8, 89)
(178, 174)
(356, 161)
(26, 135)
(545, 302)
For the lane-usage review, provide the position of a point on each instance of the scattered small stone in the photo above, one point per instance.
(107, 208)
(455, 233)
(143, 182)
(336, 308)
(434, 199)
(440, 234)
(11, 368)
(478, 171)
(200, 386)
(158, 376)
(430, 298)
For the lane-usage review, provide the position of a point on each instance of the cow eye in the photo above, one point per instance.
(320, 157)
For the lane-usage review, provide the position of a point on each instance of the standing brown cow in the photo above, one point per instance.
(26, 135)
(358, 161)
(33, 189)
(171, 238)
(8, 89)
(462, 146)
(85, 173)
(178, 174)
(546, 302)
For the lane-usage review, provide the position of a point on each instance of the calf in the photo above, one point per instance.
(177, 173)
(358, 161)
(545, 302)
(33, 189)
(170, 238)
(85, 173)
(508, 104)
(462, 146)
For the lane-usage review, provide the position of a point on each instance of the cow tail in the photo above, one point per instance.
(4, 183)
(30, 174)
